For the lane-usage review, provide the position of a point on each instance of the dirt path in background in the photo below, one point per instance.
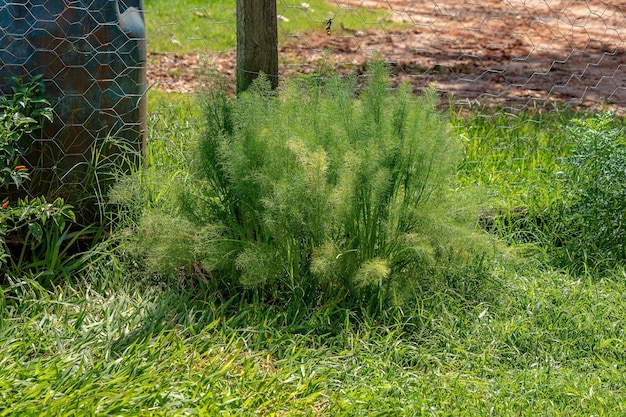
(516, 53)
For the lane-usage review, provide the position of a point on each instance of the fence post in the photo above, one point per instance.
(257, 42)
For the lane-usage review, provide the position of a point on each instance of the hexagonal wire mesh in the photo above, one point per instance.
(92, 57)
(514, 54)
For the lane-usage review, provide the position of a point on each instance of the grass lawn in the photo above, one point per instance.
(552, 345)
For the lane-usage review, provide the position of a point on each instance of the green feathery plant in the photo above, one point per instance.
(315, 191)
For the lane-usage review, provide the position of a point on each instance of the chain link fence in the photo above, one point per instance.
(514, 54)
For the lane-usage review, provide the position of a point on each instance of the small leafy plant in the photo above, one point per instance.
(21, 113)
(31, 223)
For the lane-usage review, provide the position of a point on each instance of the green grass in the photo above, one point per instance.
(556, 181)
(516, 156)
(197, 26)
(552, 346)
(123, 343)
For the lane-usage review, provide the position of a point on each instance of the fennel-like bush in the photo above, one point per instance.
(320, 188)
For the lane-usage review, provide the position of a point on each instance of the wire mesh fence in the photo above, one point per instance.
(91, 57)
(512, 55)
(516, 54)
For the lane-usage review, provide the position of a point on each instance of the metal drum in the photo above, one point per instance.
(92, 55)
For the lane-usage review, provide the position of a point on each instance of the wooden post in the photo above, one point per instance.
(257, 42)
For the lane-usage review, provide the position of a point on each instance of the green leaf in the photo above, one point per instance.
(35, 230)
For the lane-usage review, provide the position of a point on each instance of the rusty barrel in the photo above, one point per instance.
(92, 56)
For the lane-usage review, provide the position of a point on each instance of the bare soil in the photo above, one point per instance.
(513, 53)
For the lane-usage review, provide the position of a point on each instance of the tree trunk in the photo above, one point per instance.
(257, 42)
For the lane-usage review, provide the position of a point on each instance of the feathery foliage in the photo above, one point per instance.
(321, 187)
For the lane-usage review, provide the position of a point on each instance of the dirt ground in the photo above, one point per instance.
(513, 53)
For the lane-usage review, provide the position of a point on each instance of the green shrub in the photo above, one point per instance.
(316, 192)
(594, 206)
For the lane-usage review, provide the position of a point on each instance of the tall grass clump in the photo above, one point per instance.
(322, 190)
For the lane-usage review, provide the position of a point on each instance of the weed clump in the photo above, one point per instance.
(322, 192)
(594, 204)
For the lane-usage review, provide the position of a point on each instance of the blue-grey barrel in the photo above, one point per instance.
(92, 56)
